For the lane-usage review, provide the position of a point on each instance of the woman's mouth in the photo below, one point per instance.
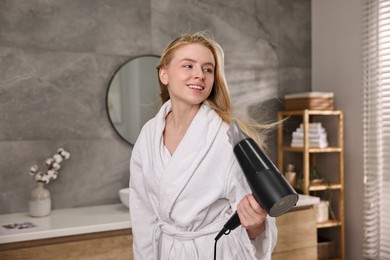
(201, 88)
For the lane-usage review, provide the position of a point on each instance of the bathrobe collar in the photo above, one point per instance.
(188, 155)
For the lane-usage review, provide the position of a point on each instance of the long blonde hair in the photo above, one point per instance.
(219, 98)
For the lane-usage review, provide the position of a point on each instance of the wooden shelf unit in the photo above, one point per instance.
(309, 158)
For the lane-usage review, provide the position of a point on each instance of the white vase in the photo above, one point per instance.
(322, 211)
(40, 201)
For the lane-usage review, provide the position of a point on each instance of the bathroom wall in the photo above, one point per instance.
(57, 58)
(337, 67)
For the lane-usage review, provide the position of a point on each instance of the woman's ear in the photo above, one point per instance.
(162, 73)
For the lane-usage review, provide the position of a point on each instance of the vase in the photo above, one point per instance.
(290, 175)
(40, 201)
(322, 211)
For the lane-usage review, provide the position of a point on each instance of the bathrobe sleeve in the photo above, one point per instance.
(141, 213)
(237, 188)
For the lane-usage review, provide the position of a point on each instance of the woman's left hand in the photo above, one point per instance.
(252, 215)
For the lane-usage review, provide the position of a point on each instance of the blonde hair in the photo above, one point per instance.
(219, 98)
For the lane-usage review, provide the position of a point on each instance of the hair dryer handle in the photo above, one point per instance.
(231, 224)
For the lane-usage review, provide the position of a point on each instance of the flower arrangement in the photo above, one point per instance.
(53, 166)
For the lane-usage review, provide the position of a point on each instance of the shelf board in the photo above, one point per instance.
(312, 150)
(318, 187)
(329, 223)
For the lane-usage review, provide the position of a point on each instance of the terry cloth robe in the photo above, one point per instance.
(179, 203)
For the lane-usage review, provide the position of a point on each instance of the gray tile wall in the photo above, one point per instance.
(57, 58)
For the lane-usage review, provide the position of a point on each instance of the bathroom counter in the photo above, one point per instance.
(82, 220)
(104, 232)
(65, 222)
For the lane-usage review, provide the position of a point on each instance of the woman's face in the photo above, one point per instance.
(190, 74)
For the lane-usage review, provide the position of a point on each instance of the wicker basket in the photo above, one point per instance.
(309, 100)
(326, 249)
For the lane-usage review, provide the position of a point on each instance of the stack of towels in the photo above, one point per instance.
(317, 136)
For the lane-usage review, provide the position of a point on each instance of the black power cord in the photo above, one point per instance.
(224, 231)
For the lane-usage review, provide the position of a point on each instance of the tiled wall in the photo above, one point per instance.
(57, 58)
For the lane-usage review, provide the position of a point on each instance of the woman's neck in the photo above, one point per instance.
(181, 116)
(177, 122)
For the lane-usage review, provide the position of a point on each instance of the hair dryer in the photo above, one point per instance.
(269, 187)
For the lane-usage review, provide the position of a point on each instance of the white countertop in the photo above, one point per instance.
(66, 222)
(83, 220)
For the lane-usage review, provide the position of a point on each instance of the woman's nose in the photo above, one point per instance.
(199, 73)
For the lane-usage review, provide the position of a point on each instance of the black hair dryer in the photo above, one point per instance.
(268, 185)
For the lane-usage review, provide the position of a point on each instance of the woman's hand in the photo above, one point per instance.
(252, 216)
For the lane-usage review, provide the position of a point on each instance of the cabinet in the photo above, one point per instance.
(115, 245)
(328, 160)
(298, 223)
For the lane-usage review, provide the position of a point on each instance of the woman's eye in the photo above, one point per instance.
(208, 70)
(188, 66)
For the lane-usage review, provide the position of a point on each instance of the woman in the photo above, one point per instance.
(185, 182)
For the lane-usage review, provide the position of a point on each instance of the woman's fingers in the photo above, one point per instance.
(251, 214)
(254, 204)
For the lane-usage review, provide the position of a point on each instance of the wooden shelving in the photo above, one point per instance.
(329, 223)
(312, 150)
(330, 186)
(311, 156)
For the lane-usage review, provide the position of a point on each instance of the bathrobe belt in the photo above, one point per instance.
(169, 233)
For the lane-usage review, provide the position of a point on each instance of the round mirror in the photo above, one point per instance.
(133, 96)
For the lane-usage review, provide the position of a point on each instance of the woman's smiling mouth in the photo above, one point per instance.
(201, 88)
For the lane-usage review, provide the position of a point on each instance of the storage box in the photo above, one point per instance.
(309, 100)
(326, 249)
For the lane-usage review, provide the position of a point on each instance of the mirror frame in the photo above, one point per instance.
(109, 87)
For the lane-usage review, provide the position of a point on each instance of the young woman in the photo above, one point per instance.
(185, 182)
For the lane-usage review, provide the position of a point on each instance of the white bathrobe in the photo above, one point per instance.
(179, 203)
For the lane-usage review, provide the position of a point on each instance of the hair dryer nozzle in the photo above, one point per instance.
(235, 134)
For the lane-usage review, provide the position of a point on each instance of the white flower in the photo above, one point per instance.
(45, 178)
(56, 166)
(50, 173)
(53, 166)
(49, 161)
(66, 155)
(38, 176)
(57, 158)
(33, 170)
